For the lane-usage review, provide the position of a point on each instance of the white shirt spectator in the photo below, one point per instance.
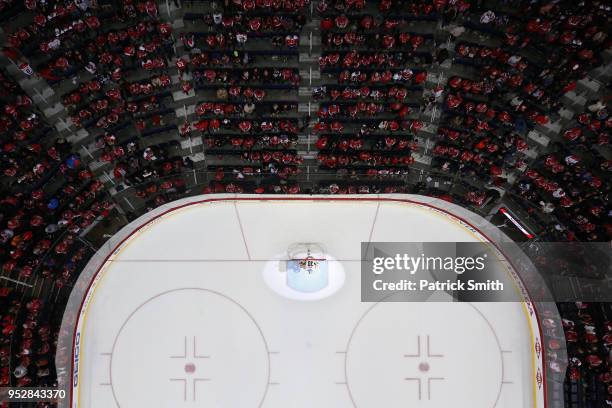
(596, 106)
(487, 17)
(516, 101)
(547, 207)
(82, 4)
(249, 108)
(241, 38)
(558, 193)
(571, 160)
(54, 45)
(90, 67)
(513, 60)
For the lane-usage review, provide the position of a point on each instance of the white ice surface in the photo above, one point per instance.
(186, 282)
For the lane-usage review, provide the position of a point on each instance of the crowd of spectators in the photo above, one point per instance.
(572, 180)
(243, 61)
(368, 115)
(588, 335)
(87, 52)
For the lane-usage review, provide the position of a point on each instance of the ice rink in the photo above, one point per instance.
(179, 315)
